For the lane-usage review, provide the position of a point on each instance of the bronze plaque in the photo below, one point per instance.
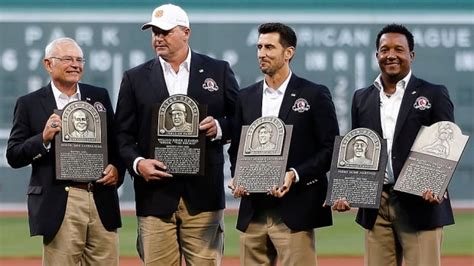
(176, 139)
(81, 146)
(263, 154)
(358, 168)
(432, 160)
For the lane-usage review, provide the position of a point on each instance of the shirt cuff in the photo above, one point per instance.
(135, 164)
(297, 177)
(219, 131)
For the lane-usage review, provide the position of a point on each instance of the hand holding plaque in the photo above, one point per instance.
(432, 160)
(357, 169)
(81, 146)
(262, 155)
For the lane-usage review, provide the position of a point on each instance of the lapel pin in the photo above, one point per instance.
(293, 95)
(422, 103)
(301, 105)
(210, 85)
(201, 70)
(88, 99)
(413, 92)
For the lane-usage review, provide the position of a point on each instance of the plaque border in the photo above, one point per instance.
(275, 123)
(68, 111)
(193, 106)
(357, 172)
(74, 145)
(349, 139)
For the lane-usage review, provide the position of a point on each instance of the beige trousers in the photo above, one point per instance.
(81, 239)
(196, 236)
(267, 237)
(392, 239)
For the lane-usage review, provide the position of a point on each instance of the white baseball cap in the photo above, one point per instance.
(167, 17)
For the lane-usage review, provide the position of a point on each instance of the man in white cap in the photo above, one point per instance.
(178, 216)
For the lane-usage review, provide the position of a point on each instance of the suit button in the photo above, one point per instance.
(67, 189)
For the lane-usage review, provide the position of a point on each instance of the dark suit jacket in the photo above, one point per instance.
(310, 152)
(366, 113)
(144, 86)
(47, 197)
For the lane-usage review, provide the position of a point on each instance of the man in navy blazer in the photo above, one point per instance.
(281, 222)
(405, 227)
(176, 214)
(78, 221)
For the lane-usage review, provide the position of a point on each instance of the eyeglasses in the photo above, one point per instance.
(69, 59)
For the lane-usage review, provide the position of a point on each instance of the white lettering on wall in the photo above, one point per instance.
(84, 36)
(110, 36)
(464, 61)
(433, 37)
(35, 59)
(340, 61)
(315, 61)
(9, 60)
(100, 60)
(32, 34)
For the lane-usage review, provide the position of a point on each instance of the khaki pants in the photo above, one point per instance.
(392, 239)
(197, 236)
(267, 237)
(81, 239)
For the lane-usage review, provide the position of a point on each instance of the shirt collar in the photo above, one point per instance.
(58, 94)
(280, 90)
(401, 84)
(186, 63)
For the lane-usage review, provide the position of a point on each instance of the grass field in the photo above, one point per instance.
(344, 238)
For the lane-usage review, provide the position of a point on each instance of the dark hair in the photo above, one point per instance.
(287, 35)
(396, 28)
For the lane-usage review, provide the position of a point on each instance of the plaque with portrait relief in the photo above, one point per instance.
(176, 138)
(432, 159)
(81, 146)
(263, 154)
(358, 168)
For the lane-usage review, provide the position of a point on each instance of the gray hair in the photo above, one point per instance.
(51, 47)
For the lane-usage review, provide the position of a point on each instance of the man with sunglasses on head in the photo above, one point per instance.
(177, 215)
(78, 221)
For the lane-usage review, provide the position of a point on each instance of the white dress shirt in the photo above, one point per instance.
(177, 83)
(272, 98)
(389, 109)
(62, 100)
(271, 103)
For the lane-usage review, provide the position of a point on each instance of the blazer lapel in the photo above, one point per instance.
(47, 101)
(86, 94)
(408, 99)
(254, 104)
(158, 87)
(374, 107)
(291, 94)
(196, 70)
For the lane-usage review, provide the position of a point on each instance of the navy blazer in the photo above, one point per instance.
(366, 113)
(144, 86)
(312, 141)
(47, 197)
